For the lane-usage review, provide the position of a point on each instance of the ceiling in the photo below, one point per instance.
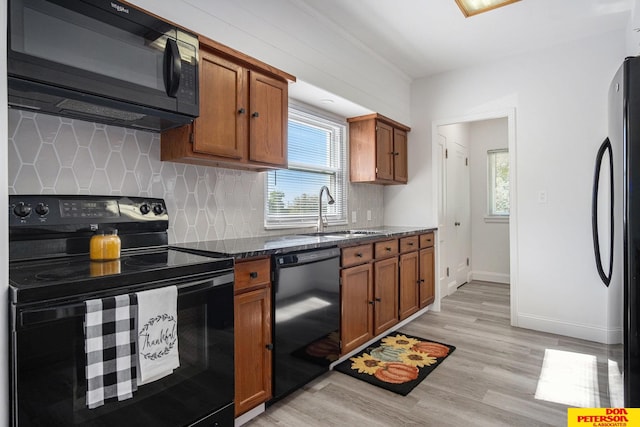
(426, 37)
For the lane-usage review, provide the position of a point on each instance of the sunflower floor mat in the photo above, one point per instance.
(397, 362)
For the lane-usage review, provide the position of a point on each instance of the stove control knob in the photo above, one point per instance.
(144, 209)
(42, 209)
(158, 209)
(22, 210)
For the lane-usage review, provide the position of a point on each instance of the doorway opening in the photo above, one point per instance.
(474, 242)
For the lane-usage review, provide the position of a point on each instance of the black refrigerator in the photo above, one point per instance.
(616, 233)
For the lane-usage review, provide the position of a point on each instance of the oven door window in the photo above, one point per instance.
(50, 371)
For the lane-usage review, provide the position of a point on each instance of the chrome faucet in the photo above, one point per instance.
(330, 200)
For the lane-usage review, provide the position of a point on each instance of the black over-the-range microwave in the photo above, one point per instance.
(101, 61)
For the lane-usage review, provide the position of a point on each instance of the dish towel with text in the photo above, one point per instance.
(157, 333)
(110, 347)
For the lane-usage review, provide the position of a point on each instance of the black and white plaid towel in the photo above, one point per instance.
(111, 335)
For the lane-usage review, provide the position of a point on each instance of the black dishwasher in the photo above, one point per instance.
(306, 326)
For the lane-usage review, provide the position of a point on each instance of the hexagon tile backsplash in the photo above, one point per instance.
(49, 154)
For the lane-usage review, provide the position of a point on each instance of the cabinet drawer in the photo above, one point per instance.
(357, 255)
(426, 240)
(386, 248)
(408, 244)
(252, 273)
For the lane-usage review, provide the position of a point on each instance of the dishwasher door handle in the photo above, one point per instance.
(299, 258)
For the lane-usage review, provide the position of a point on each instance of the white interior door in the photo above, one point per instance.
(458, 216)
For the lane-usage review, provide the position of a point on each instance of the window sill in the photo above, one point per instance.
(497, 219)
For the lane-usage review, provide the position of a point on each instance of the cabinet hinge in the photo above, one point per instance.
(447, 271)
(446, 153)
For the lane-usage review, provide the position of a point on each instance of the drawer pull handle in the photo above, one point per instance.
(372, 302)
(388, 249)
(241, 111)
(410, 243)
(359, 254)
(269, 346)
(421, 280)
(378, 299)
(253, 274)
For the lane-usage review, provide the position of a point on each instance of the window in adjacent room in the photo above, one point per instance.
(498, 191)
(317, 157)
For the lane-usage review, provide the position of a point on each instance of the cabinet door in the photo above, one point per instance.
(400, 171)
(356, 320)
(268, 120)
(252, 349)
(221, 129)
(385, 294)
(408, 284)
(384, 151)
(427, 279)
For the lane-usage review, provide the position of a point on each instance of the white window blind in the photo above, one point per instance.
(316, 157)
(498, 185)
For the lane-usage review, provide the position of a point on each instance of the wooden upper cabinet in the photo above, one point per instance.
(268, 120)
(223, 102)
(384, 151)
(243, 114)
(378, 150)
(400, 169)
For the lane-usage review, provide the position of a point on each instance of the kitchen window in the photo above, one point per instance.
(316, 157)
(498, 185)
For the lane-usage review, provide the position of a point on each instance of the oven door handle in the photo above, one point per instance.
(30, 317)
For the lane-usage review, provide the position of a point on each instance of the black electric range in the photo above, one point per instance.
(50, 279)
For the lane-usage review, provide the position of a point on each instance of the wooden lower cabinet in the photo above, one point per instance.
(385, 276)
(253, 342)
(356, 320)
(427, 276)
(409, 284)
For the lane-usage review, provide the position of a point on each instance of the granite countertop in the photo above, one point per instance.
(270, 245)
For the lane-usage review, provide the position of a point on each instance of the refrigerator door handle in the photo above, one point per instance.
(604, 148)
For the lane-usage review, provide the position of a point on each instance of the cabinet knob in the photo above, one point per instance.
(359, 254)
(421, 280)
(410, 243)
(255, 114)
(372, 302)
(378, 299)
(396, 153)
(253, 274)
(242, 111)
(388, 249)
(269, 346)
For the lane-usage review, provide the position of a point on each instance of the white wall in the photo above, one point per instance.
(289, 35)
(560, 101)
(489, 240)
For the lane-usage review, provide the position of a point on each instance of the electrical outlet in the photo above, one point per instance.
(353, 216)
(368, 215)
(542, 197)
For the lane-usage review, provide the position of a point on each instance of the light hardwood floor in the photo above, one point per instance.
(490, 379)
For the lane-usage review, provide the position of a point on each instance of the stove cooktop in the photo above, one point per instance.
(78, 277)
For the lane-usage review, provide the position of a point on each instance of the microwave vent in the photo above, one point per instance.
(98, 110)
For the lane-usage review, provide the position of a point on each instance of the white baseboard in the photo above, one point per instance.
(488, 276)
(249, 415)
(575, 330)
